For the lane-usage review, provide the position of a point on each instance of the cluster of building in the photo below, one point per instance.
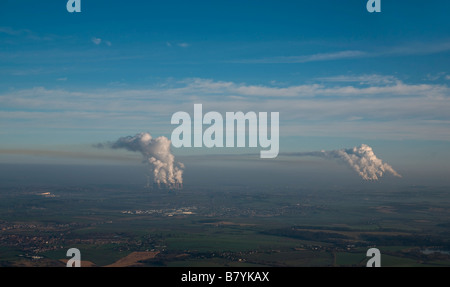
(163, 212)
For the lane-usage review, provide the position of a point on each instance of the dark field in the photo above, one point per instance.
(207, 225)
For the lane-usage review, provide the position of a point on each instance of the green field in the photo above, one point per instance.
(226, 226)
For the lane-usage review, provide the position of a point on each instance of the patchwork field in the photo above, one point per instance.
(227, 226)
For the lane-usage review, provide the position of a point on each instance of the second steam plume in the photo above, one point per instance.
(156, 152)
(361, 159)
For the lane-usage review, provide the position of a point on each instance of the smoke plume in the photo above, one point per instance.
(156, 152)
(361, 159)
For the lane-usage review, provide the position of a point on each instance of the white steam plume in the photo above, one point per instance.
(156, 152)
(361, 159)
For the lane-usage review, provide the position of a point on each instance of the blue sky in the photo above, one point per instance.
(338, 75)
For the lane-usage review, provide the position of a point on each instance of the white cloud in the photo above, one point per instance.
(413, 48)
(388, 109)
(96, 41)
(348, 54)
(417, 48)
(24, 33)
(361, 79)
(386, 87)
(11, 31)
(182, 44)
(435, 77)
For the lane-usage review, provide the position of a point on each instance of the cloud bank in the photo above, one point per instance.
(371, 106)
